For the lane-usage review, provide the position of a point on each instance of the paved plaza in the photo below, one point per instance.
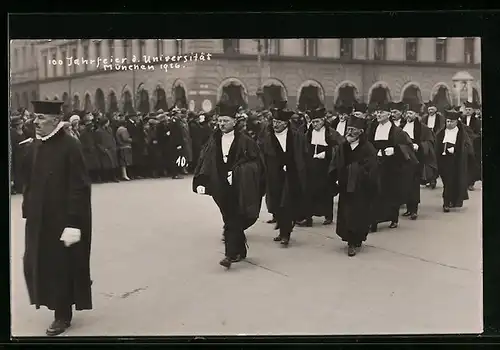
(155, 252)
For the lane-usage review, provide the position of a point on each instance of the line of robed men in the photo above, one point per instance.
(373, 165)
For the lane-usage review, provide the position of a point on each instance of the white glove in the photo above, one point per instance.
(200, 189)
(321, 155)
(389, 151)
(379, 153)
(179, 147)
(230, 177)
(70, 236)
(415, 147)
(451, 150)
(284, 167)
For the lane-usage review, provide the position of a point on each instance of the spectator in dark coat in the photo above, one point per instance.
(107, 151)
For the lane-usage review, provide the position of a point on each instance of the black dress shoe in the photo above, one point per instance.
(374, 228)
(446, 208)
(305, 223)
(407, 213)
(272, 221)
(328, 222)
(351, 250)
(285, 242)
(226, 262)
(413, 216)
(57, 327)
(393, 224)
(277, 238)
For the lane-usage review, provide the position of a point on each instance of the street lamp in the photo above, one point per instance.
(461, 81)
(260, 92)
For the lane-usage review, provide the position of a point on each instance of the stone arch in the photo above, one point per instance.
(76, 101)
(441, 95)
(277, 82)
(179, 93)
(350, 97)
(160, 98)
(87, 102)
(374, 95)
(273, 91)
(233, 82)
(113, 105)
(315, 84)
(411, 93)
(56, 97)
(47, 98)
(143, 104)
(100, 100)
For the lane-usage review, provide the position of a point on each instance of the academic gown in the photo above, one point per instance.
(474, 132)
(240, 201)
(57, 195)
(426, 168)
(17, 154)
(336, 122)
(320, 190)
(454, 169)
(358, 183)
(393, 170)
(286, 188)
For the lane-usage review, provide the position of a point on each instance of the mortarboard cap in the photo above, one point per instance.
(282, 114)
(47, 107)
(452, 114)
(355, 122)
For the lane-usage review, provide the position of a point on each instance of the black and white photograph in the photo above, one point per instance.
(293, 186)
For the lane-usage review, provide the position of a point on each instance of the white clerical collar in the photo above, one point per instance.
(354, 144)
(455, 129)
(45, 138)
(281, 133)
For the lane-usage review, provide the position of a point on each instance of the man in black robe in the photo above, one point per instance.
(231, 170)
(340, 124)
(285, 152)
(397, 112)
(395, 154)
(57, 208)
(424, 147)
(454, 150)
(323, 142)
(354, 169)
(435, 121)
(473, 128)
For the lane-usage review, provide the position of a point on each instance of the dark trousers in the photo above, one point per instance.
(64, 313)
(234, 234)
(284, 218)
(412, 207)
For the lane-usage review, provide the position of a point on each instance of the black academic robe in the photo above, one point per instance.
(474, 132)
(18, 151)
(246, 163)
(393, 171)
(426, 169)
(439, 124)
(320, 190)
(286, 188)
(336, 122)
(454, 169)
(200, 132)
(57, 195)
(358, 185)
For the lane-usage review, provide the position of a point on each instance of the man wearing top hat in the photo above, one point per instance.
(395, 152)
(354, 169)
(231, 170)
(286, 155)
(473, 125)
(340, 124)
(424, 147)
(322, 141)
(454, 150)
(57, 208)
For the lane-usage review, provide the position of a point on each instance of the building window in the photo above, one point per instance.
(379, 49)
(310, 47)
(469, 50)
(441, 50)
(179, 47)
(75, 56)
(231, 45)
(45, 60)
(111, 46)
(85, 56)
(271, 46)
(54, 66)
(411, 49)
(63, 57)
(97, 49)
(159, 47)
(346, 48)
(142, 49)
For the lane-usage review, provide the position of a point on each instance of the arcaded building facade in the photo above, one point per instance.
(251, 72)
